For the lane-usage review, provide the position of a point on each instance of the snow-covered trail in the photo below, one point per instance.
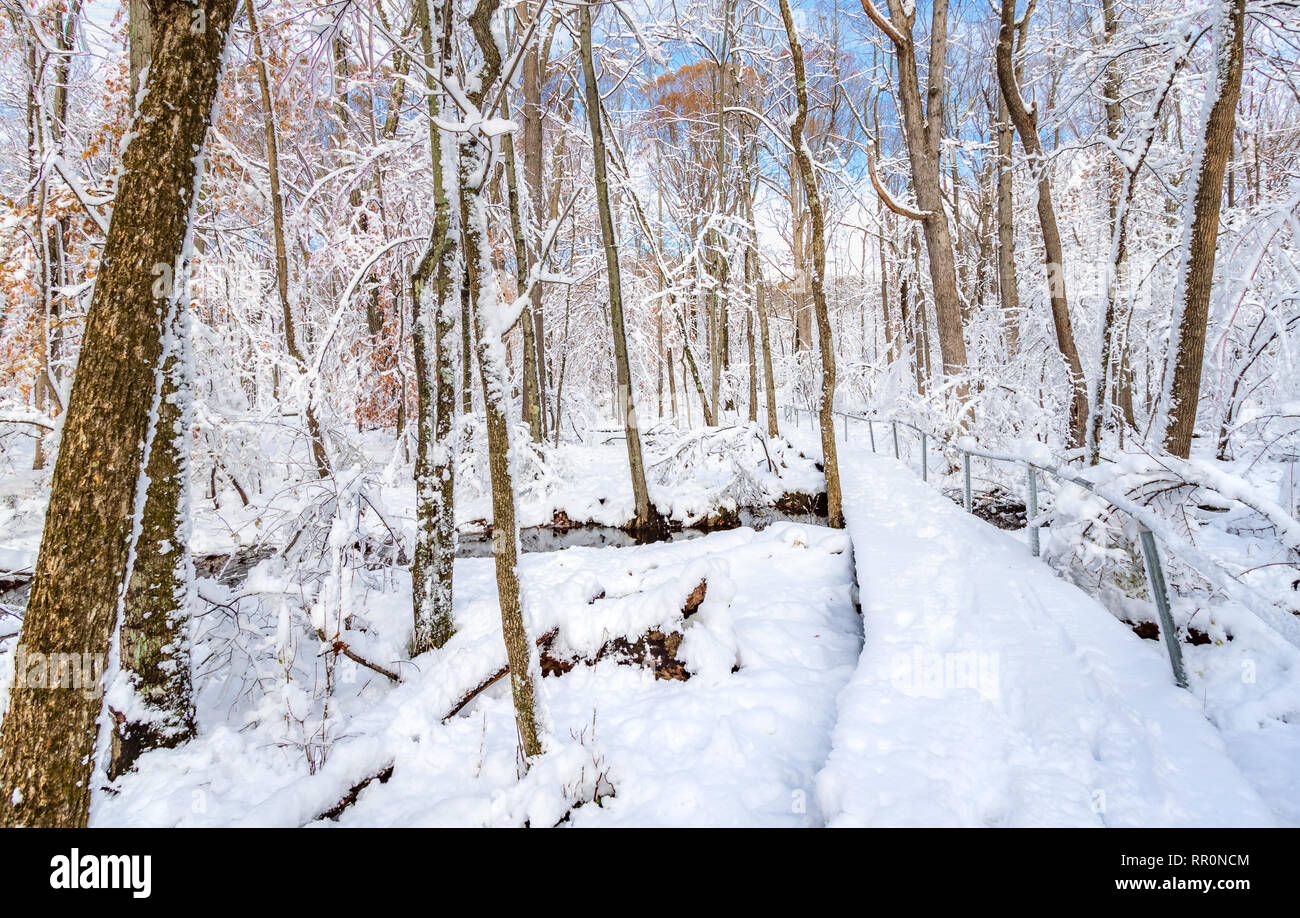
(991, 693)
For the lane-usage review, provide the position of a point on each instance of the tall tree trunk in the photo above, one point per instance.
(47, 746)
(154, 706)
(834, 509)
(1027, 127)
(319, 455)
(1009, 293)
(534, 73)
(524, 260)
(1196, 270)
(923, 126)
(434, 342)
(647, 520)
(760, 304)
(475, 167)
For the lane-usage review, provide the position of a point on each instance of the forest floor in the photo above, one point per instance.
(988, 690)
(720, 748)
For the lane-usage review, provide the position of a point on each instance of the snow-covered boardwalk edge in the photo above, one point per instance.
(991, 693)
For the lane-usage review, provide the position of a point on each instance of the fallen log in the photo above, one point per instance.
(334, 812)
(654, 649)
(491, 680)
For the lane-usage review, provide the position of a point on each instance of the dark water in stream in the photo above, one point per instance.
(547, 538)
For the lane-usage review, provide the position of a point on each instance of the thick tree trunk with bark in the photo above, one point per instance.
(154, 646)
(923, 126)
(435, 346)
(155, 635)
(1196, 273)
(49, 734)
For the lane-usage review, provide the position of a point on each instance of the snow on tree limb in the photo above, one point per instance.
(887, 199)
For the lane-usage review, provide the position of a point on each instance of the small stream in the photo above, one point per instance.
(231, 569)
(554, 538)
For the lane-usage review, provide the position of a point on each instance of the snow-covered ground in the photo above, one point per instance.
(992, 693)
(988, 691)
(722, 748)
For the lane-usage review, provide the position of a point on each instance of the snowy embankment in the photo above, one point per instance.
(991, 693)
(739, 743)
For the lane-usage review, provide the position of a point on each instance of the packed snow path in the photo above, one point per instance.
(991, 693)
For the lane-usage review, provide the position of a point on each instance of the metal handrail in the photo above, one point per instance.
(1148, 526)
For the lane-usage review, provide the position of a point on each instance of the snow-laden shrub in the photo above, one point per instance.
(709, 470)
(1234, 527)
(531, 463)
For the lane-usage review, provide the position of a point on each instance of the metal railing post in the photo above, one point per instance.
(925, 460)
(1156, 580)
(896, 453)
(846, 428)
(966, 462)
(871, 431)
(1032, 509)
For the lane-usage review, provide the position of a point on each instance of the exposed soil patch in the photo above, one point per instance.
(654, 650)
(1150, 631)
(998, 506)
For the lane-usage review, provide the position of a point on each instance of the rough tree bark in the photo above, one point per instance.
(1200, 237)
(834, 509)
(923, 126)
(154, 642)
(434, 343)
(48, 742)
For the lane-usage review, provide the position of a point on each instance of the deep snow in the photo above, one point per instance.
(988, 692)
(723, 748)
(992, 693)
